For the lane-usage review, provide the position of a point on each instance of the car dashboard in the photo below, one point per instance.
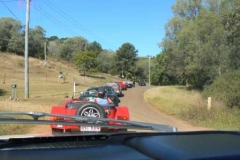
(139, 146)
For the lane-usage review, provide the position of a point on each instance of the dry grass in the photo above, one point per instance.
(44, 89)
(190, 106)
(172, 99)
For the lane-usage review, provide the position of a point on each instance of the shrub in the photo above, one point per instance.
(129, 75)
(226, 88)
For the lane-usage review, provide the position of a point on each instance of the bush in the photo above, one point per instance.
(129, 75)
(226, 88)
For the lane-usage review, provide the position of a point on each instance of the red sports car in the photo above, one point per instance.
(89, 109)
(122, 85)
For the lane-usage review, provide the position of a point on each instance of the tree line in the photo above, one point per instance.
(87, 56)
(201, 47)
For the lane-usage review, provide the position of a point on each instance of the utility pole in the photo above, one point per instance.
(149, 71)
(149, 68)
(45, 53)
(26, 49)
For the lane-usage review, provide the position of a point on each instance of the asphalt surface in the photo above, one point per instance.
(143, 112)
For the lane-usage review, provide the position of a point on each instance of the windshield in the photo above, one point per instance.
(176, 63)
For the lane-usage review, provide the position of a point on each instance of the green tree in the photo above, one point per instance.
(66, 52)
(36, 42)
(85, 61)
(195, 43)
(158, 76)
(53, 38)
(105, 61)
(94, 46)
(126, 58)
(187, 8)
(142, 67)
(10, 32)
(230, 20)
(226, 88)
(16, 44)
(70, 46)
(53, 48)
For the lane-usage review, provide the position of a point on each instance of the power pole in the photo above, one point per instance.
(45, 54)
(149, 71)
(45, 51)
(26, 50)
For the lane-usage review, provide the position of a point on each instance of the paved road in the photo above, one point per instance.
(141, 111)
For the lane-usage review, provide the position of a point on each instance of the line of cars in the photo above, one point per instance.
(81, 106)
(114, 90)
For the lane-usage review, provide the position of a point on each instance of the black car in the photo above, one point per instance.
(92, 92)
(142, 83)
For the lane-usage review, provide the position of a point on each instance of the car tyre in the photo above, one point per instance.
(93, 107)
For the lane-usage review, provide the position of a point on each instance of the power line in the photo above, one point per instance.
(38, 14)
(70, 19)
(9, 10)
(55, 20)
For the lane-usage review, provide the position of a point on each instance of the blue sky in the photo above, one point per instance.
(109, 22)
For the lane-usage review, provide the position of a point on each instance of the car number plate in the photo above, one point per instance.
(89, 128)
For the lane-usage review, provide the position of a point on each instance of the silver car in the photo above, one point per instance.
(116, 87)
(129, 83)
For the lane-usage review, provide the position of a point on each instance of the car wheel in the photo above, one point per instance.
(91, 110)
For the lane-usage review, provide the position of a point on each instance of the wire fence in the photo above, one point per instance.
(41, 82)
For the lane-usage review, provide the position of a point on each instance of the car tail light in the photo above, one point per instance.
(57, 118)
(122, 118)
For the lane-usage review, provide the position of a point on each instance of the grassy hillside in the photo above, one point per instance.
(44, 88)
(43, 81)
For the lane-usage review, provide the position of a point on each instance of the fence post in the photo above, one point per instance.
(209, 103)
(74, 88)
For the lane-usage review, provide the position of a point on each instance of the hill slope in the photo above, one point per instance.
(44, 88)
(43, 81)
